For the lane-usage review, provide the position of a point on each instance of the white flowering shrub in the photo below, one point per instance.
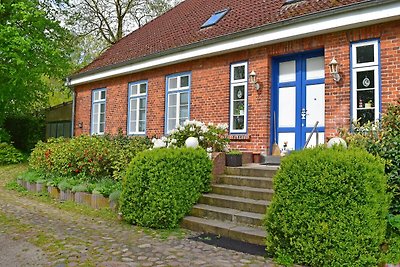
(211, 137)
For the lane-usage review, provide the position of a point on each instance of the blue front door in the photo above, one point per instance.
(298, 99)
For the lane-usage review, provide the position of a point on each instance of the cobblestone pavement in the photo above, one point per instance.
(62, 237)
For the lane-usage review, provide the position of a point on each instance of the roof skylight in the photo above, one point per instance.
(217, 16)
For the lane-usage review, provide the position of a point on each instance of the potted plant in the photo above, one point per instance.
(369, 104)
(234, 158)
(239, 110)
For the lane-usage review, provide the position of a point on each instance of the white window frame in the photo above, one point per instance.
(138, 96)
(233, 84)
(179, 90)
(360, 67)
(98, 103)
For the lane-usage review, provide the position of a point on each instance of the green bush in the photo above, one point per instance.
(106, 186)
(9, 154)
(91, 156)
(329, 208)
(162, 185)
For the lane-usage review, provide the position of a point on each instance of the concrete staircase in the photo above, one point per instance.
(236, 206)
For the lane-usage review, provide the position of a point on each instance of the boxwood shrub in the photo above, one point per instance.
(9, 154)
(162, 185)
(329, 208)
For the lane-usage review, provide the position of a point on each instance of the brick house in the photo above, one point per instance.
(257, 65)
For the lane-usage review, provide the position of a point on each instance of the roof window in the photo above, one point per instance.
(217, 16)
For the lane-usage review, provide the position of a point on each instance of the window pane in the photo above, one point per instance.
(142, 126)
(103, 94)
(365, 97)
(184, 112)
(133, 115)
(143, 88)
(184, 81)
(132, 126)
(365, 54)
(238, 108)
(102, 107)
(171, 124)
(102, 117)
(142, 103)
(133, 104)
(95, 108)
(239, 72)
(101, 128)
(365, 79)
(173, 83)
(95, 128)
(172, 100)
(142, 114)
(134, 89)
(238, 92)
(182, 120)
(96, 95)
(366, 115)
(172, 112)
(184, 98)
(238, 122)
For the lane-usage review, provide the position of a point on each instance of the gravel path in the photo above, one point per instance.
(39, 233)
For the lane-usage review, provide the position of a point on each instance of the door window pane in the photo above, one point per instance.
(365, 79)
(365, 54)
(239, 72)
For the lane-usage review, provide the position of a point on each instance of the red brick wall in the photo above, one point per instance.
(210, 86)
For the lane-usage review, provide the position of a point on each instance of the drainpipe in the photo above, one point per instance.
(68, 83)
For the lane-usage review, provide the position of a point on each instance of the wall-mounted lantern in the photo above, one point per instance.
(253, 80)
(334, 70)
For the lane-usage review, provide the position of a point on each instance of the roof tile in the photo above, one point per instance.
(181, 25)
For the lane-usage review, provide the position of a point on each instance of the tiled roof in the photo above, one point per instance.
(181, 26)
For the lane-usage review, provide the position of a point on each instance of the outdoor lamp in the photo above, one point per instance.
(334, 70)
(253, 80)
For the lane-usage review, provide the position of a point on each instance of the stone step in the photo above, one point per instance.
(258, 182)
(242, 191)
(254, 235)
(252, 170)
(239, 203)
(226, 214)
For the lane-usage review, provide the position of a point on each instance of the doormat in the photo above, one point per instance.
(228, 243)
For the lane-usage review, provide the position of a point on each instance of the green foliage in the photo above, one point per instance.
(123, 150)
(79, 188)
(211, 137)
(93, 157)
(329, 208)
(234, 152)
(4, 136)
(115, 196)
(106, 186)
(162, 185)
(25, 130)
(32, 47)
(30, 176)
(382, 139)
(9, 154)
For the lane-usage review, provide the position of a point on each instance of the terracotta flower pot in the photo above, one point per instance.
(233, 160)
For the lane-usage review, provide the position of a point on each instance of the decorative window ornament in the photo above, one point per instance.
(366, 82)
(239, 94)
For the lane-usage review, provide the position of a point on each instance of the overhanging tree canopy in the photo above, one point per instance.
(33, 48)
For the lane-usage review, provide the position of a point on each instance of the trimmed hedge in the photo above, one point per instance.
(90, 156)
(10, 155)
(329, 208)
(162, 185)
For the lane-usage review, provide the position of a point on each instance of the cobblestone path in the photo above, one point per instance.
(62, 237)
